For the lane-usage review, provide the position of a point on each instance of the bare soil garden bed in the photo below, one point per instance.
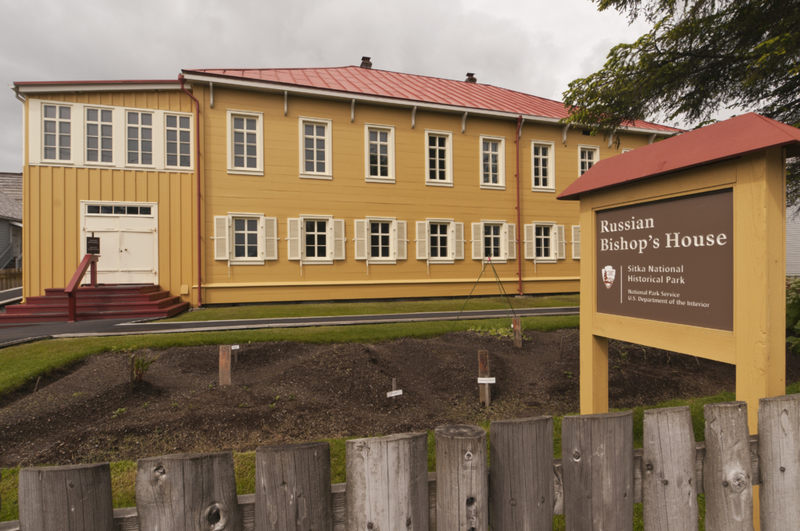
(290, 392)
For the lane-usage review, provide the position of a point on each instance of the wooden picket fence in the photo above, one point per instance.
(595, 484)
(10, 278)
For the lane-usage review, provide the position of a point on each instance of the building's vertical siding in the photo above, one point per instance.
(52, 210)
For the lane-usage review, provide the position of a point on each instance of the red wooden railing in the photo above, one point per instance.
(89, 261)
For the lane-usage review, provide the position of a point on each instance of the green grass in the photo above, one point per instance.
(24, 363)
(366, 308)
(123, 473)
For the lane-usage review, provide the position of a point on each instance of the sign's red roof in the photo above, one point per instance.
(723, 140)
(382, 83)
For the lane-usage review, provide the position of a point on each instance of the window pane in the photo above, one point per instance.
(238, 225)
(320, 226)
(119, 210)
(172, 160)
(93, 209)
(132, 210)
(133, 118)
(172, 121)
(309, 130)
(144, 211)
(147, 119)
(239, 252)
(49, 111)
(63, 113)
(320, 130)
(106, 209)
(91, 115)
(184, 122)
(251, 124)
(252, 224)
(238, 123)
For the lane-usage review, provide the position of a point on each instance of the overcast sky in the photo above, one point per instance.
(533, 46)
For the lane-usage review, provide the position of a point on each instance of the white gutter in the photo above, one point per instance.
(265, 86)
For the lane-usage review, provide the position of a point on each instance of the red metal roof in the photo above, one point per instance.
(723, 140)
(367, 81)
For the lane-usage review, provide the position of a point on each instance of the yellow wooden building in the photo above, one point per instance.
(234, 186)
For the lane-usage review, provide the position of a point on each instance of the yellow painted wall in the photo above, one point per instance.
(283, 194)
(51, 216)
(52, 213)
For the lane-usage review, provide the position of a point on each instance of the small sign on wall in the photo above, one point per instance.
(92, 245)
(668, 261)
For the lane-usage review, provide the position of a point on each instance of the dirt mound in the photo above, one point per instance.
(285, 392)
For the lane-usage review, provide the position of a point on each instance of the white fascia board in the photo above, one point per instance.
(96, 87)
(266, 86)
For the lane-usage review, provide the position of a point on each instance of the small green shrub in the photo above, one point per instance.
(141, 364)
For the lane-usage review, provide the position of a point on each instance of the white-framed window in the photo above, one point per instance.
(99, 135)
(316, 239)
(315, 149)
(379, 153)
(438, 158)
(495, 240)
(588, 157)
(245, 144)
(243, 238)
(440, 241)
(57, 133)
(178, 129)
(492, 157)
(576, 242)
(139, 138)
(381, 240)
(543, 177)
(544, 242)
(109, 136)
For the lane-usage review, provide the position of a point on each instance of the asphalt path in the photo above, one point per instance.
(15, 334)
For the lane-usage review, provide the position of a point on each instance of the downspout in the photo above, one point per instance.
(520, 228)
(197, 173)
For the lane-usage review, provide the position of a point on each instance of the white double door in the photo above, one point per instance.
(128, 241)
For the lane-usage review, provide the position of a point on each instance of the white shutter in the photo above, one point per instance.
(576, 242)
(293, 228)
(360, 226)
(530, 244)
(477, 237)
(511, 241)
(422, 240)
(402, 240)
(562, 244)
(270, 238)
(459, 240)
(339, 240)
(221, 251)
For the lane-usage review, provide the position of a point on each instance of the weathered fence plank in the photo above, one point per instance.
(521, 492)
(669, 476)
(293, 488)
(387, 483)
(462, 490)
(66, 497)
(597, 460)
(177, 491)
(779, 462)
(727, 471)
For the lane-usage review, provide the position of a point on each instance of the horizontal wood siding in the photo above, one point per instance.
(283, 194)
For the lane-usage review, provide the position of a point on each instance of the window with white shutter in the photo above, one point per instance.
(270, 238)
(511, 241)
(402, 240)
(495, 240)
(422, 240)
(562, 244)
(242, 238)
(576, 242)
(458, 232)
(221, 251)
(316, 239)
(380, 240)
(542, 242)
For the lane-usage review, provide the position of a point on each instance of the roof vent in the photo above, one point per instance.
(471, 78)
(365, 62)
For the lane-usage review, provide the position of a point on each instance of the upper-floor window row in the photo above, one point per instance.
(82, 134)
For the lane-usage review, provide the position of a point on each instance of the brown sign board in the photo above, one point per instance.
(92, 245)
(668, 260)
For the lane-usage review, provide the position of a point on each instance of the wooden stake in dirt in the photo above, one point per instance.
(224, 365)
(235, 349)
(483, 372)
(516, 324)
(130, 368)
(394, 392)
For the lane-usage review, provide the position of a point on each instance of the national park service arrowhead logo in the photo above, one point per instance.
(609, 274)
